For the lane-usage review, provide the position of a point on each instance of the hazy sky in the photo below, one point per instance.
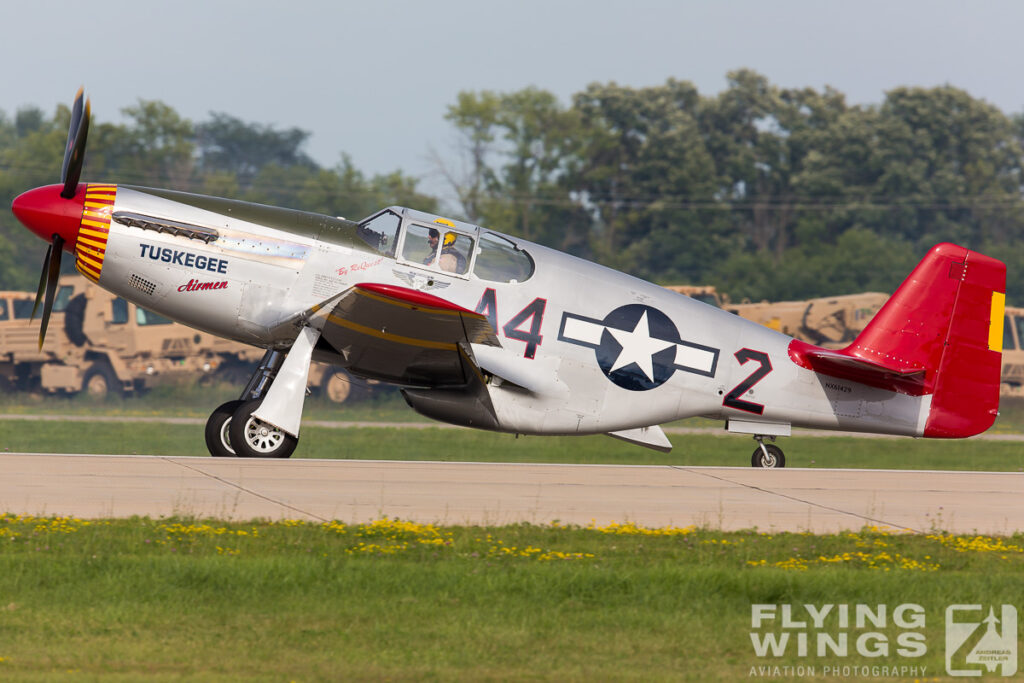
(374, 78)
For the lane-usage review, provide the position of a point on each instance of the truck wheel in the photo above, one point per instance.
(100, 381)
(74, 317)
(218, 439)
(253, 438)
(337, 386)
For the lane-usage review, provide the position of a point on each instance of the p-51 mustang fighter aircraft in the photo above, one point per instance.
(490, 331)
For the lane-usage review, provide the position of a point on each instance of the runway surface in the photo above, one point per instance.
(790, 499)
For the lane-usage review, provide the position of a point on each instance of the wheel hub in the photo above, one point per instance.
(261, 437)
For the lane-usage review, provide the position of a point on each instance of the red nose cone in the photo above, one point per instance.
(46, 213)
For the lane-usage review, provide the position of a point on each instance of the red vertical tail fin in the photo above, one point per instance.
(947, 317)
(940, 334)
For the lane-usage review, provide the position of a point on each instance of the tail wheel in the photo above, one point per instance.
(252, 438)
(774, 457)
(218, 439)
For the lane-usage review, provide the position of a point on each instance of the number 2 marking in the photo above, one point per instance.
(732, 399)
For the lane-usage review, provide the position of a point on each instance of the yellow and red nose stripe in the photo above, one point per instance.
(91, 246)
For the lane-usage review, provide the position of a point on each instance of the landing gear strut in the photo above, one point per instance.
(767, 455)
(264, 421)
(252, 438)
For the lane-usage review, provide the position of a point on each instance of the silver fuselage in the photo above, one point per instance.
(267, 264)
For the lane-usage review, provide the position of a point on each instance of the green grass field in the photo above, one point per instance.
(192, 400)
(201, 600)
(439, 444)
(432, 443)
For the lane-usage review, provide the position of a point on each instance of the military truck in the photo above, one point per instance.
(1013, 353)
(832, 322)
(100, 343)
(706, 293)
(20, 355)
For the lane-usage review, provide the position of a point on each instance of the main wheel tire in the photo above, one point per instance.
(100, 381)
(253, 438)
(775, 457)
(218, 439)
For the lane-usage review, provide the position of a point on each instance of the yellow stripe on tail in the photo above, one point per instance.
(995, 322)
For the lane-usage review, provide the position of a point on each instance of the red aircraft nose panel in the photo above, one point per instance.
(83, 221)
(92, 236)
(46, 213)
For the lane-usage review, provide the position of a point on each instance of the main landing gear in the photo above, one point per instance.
(264, 421)
(767, 455)
(232, 430)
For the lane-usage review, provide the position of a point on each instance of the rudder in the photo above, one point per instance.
(966, 399)
(947, 319)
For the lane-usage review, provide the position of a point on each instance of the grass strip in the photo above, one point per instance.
(385, 405)
(472, 445)
(201, 599)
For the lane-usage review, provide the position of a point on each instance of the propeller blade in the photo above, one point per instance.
(74, 152)
(42, 280)
(52, 274)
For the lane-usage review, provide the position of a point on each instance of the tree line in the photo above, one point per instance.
(765, 192)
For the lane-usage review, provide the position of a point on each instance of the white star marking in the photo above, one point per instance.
(638, 347)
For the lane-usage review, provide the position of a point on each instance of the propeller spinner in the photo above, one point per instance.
(54, 212)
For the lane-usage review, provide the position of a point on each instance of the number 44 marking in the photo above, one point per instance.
(532, 313)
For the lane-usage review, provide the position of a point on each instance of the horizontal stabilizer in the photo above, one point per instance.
(902, 378)
(651, 437)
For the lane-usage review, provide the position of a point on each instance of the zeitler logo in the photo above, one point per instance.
(980, 641)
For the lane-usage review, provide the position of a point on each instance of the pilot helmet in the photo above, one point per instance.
(449, 239)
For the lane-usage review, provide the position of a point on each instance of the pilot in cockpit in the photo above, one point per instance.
(432, 238)
(452, 259)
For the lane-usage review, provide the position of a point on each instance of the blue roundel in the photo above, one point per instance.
(638, 347)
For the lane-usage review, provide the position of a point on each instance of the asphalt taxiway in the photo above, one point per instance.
(791, 499)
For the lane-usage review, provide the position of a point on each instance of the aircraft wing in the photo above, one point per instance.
(403, 335)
